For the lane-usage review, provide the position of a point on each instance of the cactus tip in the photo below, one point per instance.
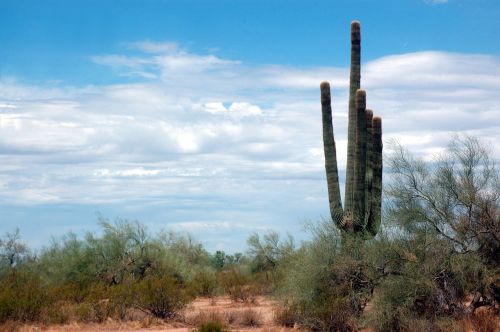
(324, 85)
(360, 93)
(355, 31)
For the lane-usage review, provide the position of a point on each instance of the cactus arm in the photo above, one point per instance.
(329, 148)
(354, 85)
(360, 162)
(373, 224)
(369, 163)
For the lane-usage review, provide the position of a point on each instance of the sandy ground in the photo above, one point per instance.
(200, 310)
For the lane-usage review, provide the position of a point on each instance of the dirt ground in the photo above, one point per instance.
(239, 315)
(257, 316)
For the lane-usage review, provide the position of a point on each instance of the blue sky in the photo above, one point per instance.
(203, 116)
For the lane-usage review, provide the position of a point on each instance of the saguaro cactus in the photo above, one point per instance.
(363, 189)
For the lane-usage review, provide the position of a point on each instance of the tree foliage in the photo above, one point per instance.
(457, 196)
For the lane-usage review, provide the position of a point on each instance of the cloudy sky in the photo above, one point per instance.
(204, 116)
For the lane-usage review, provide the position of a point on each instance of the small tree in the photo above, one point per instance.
(455, 197)
(268, 252)
(12, 251)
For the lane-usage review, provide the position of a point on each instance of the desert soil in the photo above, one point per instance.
(263, 308)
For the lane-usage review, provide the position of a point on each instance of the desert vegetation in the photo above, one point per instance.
(433, 265)
(428, 262)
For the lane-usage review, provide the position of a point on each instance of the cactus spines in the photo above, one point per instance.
(363, 190)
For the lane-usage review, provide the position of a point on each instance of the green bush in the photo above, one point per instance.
(22, 297)
(205, 282)
(238, 285)
(327, 285)
(428, 287)
(57, 313)
(162, 296)
(212, 327)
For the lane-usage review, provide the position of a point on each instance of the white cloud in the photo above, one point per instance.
(5, 106)
(236, 109)
(138, 171)
(194, 226)
(165, 60)
(215, 107)
(207, 138)
(155, 47)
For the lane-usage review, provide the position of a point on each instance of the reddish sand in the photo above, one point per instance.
(200, 310)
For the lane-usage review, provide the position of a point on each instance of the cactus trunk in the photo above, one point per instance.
(373, 223)
(361, 214)
(369, 158)
(354, 85)
(360, 161)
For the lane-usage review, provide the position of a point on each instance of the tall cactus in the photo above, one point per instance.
(363, 189)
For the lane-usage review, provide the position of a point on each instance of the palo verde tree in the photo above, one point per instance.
(448, 210)
(363, 189)
(457, 196)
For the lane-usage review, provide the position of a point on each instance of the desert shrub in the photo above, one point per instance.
(97, 306)
(212, 327)
(238, 285)
(483, 321)
(394, 303)
(59, 312)
(121, 298)
(413, 279)
(267, 254)
(286, 316)
(423, 281)
(67, 267)
(249, 317)
(231, 317)
(125, 253)
(22, 296)
(70, 292)
(162, 296)
(82, 312)
(202, 317)
(328, 281)
(205, 282)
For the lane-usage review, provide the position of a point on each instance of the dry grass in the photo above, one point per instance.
(243, 317)
(482, 321)
(249, 318)
(285, 317)
(235, 318)
(204, 317)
